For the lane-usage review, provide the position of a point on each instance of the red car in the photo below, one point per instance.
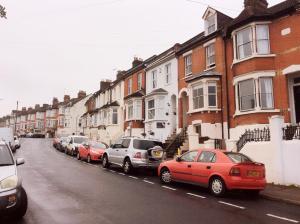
(92, 151)
(218, 170)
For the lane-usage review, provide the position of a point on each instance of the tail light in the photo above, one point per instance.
(235, 171)
(138, 155)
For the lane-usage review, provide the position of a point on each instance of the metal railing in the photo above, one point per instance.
(256, 135)
(291, 132)
(176, 143)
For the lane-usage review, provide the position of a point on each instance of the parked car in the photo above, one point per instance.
(7, 135)
(91, 151)
(133, 152)
(29, 135)
(56, 142)
(74, 141)
(62, 144)
(218, 170)
(13, 198)
(17, 142)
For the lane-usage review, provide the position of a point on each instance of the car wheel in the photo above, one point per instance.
(127, 167)
(78, 156)
(105, 162)
(165, 176)
(217, 186)
(253, 193)
(89, 159)
(22, 208)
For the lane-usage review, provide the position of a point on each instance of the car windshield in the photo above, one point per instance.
(145, 144)
(64, 139)
(97, 145)
(5, 156)
(80, 140)
(238, 157)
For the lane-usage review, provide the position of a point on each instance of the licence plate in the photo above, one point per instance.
(157, 153)
(253, 173)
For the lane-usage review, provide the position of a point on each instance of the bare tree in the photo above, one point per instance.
(2, 12)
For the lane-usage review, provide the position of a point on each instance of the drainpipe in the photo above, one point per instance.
(227, 95)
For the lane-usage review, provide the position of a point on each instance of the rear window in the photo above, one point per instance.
(5, 156)
(98, 145)
(238, 157)
(80, 140)
(145, 144)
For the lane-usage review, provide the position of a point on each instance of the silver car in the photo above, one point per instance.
(133, 152)
(13, 198)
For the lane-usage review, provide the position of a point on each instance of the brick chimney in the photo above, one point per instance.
(67, 98)
(55, 101)
(23, 108)
(45, 106)
(81, 94)
(120, 74)
(260, 5)
(104, 84)
(37, 106)
(136, 61)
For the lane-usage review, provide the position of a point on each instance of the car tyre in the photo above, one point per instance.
(88, 159)
(253, 193)
(217, 186)
(165, 176)
(127, 166)
(22, 208)
(105, 162)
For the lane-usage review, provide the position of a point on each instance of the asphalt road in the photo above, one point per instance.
(63, 190)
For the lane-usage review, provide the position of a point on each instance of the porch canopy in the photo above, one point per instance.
(291, 69)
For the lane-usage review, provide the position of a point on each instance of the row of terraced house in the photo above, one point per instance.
(207, 91)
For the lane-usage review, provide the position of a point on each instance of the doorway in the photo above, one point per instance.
(174, 112)
(185, 109)
(297, 103)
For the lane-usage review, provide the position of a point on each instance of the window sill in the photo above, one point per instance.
(257, 111)
(204, 110)
(188, 75)
(209, 69)
(137, 119)
(155, 120)
(236, 61)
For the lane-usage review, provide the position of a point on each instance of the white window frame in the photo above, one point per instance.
(256, 76)
(114, 111)
(208, 26)
(168, 73)
(151, 110)
(129, 86)
(197, 87)
(254, 49)
(208, 55)
(188, 63)
(154, 79)
(139, 81)
(137, 109)
(214, 84)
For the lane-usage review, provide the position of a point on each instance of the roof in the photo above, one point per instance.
(202, 75)
(139, 67)
(139, 93)
(253, 14)
(157, 91)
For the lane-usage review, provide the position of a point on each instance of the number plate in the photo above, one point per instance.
(157, 153)
(253, 173)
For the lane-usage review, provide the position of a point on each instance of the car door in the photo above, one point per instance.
(122, 152)
(204, 167)
(113, 150)
(182, 169)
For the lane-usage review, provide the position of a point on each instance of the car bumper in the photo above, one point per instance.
(145, 164)
(245, 184)
(9, 200)
(96, 157)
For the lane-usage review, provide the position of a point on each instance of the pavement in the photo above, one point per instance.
(288, 194)
(63, 190)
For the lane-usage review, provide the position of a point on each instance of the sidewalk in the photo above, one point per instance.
(289, 194)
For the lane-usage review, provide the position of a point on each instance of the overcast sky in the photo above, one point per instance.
(54, 47)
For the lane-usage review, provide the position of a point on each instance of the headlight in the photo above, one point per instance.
(9, 183)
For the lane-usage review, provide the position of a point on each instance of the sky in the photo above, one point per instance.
(49, 48)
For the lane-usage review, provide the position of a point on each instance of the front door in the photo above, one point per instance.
(297, 103)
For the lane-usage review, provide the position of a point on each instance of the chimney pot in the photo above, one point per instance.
(81, 94)
(136, 61)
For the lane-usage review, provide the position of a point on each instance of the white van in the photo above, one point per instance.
(7, 135)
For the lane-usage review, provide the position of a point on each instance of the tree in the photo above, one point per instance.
(2, 12)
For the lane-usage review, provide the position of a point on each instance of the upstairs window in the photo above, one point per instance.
(188, 64)
(253, 40)
(168, 73)
(114, 116)
(139, 81)
(154, 79)
(210, 56)
(198, 97)
(211, 24)
(129, 86)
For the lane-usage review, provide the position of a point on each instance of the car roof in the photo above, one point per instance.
(139, 138)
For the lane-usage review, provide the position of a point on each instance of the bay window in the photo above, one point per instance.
(212, 95)
(255, 94)
(252, 40)
(198, 97)
(151, 109)
(114, 116)
(130, 110)
(134, 110)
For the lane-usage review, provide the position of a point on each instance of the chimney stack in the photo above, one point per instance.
(81, 94)
(120, 74)
(67, 98)
(45, 106)
(104, 84)
(136, 61)
(260, 5)
(55, 101)
(37, 106)
(23, 108)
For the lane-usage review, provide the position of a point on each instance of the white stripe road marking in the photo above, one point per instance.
(123, 174)
(233, 205)
(173, 189)
(133, 177)
(149, 182)
(196, 195)
(283, 218)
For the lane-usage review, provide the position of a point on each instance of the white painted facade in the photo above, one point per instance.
(161, 99)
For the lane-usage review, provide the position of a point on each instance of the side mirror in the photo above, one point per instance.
(20, 161)
(178, 159)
